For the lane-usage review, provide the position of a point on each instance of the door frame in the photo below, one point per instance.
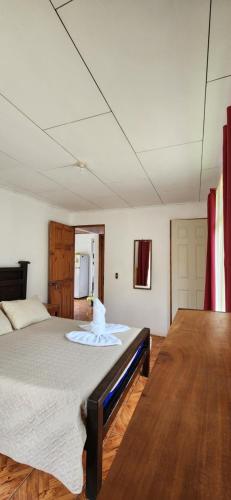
(101, 267)
(170, 252)
(101, 263)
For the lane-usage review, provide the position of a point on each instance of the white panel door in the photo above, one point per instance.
(188, 263)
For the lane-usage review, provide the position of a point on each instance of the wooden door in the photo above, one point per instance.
(188, 263)
(61, 268)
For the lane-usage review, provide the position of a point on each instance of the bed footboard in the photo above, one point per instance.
(103, 405)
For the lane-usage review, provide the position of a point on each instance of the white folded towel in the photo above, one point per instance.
(97, 333)
(109, 328)
(98, 325)
(93, 339)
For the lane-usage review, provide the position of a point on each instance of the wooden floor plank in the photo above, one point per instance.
(21, 482)
(12, 476)
(83, 311)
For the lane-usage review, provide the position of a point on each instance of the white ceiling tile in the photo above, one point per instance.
(7, 162)
(66, 199)
(136, 192)
(41, 71)
(85, 184)
(26, 179)
(3, 185)
(149, 59)
(25, 142)
(80, 182)
(218, 98)
(180, 195)
(175, 171)
(209, 179)
(111, 201)
(220, 40)
(100, 142)
(58, 3)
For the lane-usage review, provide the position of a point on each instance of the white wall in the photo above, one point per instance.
(122, 227)
(24, 236)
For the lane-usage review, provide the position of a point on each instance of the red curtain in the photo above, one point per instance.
(143, 263)
(210, 284)
(227, 207)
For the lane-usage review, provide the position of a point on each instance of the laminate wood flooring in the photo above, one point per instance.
(82, 310)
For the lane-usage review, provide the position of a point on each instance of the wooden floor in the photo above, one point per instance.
(20, 482)
(82, 310)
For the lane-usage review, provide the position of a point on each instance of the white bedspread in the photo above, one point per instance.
(44, 381)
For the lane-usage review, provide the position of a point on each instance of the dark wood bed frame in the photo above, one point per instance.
(13, 286)
(13, 281)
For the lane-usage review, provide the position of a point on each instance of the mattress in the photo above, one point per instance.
(44, 382)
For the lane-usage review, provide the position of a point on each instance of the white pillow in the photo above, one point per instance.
(22, 313)
(5, 326)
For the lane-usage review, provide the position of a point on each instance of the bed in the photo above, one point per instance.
(58, 397)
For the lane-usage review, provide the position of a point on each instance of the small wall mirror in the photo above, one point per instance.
(142, 265)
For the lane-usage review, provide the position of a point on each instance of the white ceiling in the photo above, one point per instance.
(34, 46)
(25, 142)
(218, 97)
(59, 3)
(102, 144)
(175, 171)
(139, 55)
(123, 86)
(220, 40)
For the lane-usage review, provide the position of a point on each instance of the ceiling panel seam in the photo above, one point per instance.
(11, 158)
(77, 196)
(205, 95)
(50, 190)
(98, 178)
(219, 78)
(36, 125)
(59, 7)
(112, 190)
(58, 144)
(76, 121)
(63, 187)
(168, 147)
(106, 101)
(38, 196)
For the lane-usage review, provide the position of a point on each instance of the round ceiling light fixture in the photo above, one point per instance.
(82, 165)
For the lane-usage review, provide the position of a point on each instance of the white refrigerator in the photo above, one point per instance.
(81, 288)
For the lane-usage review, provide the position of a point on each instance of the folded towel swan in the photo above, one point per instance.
(92, 339)
(98, 333)
(110, 328)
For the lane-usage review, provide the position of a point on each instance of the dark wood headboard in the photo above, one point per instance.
(13, 281)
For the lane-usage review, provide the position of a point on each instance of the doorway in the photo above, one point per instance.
(88, 269)
(187, 264)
